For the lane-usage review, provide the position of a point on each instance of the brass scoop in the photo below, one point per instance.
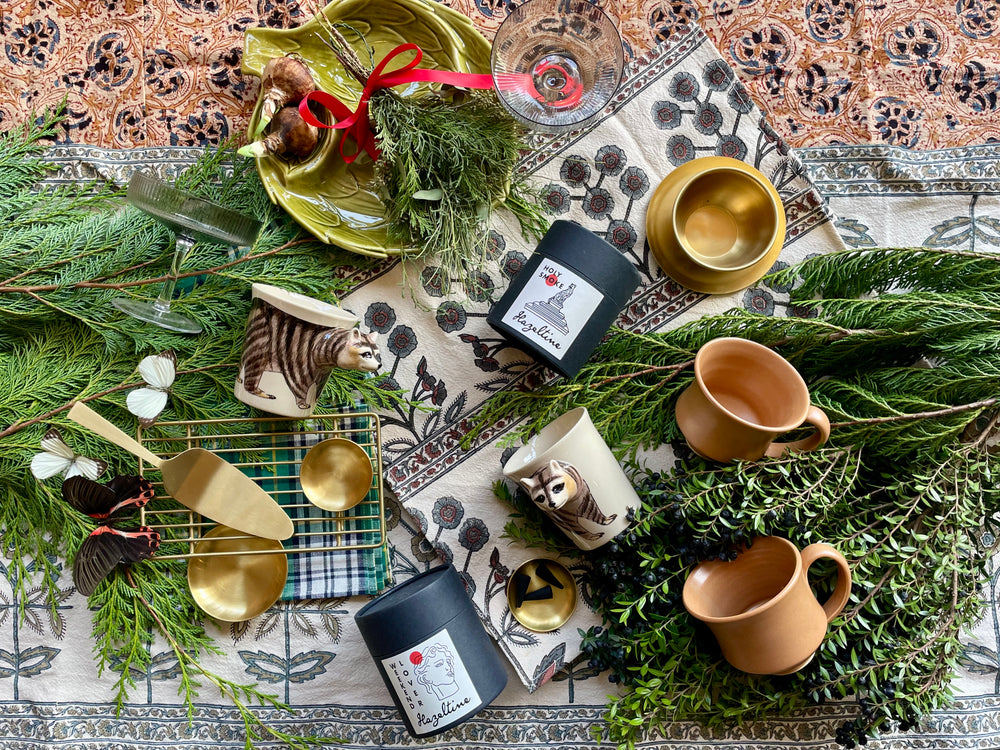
(202, 481)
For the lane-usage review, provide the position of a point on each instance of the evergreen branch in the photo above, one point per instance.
(646, 371)
(34, 291)
(959, 409)
(21, 146)
(65, 253)
(905, 378)
(45, 416)
(860, 357)
(234, 692)
(853, 272)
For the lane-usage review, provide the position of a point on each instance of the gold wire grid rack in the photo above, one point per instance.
(270, 451)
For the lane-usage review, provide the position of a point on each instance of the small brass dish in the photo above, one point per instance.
(544, 614)
(709, 272)
(235, 576)
(336, 474)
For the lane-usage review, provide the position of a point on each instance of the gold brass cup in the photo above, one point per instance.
(550, 613)
(234, 576)
(336, 474)
(725, 219)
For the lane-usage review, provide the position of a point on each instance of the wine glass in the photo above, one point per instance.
(556, 63)
(192, 220)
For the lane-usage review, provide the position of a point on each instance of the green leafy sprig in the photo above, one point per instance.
(446, 163)
(915, 545)
(906, 489)
(128, 614)
(901, 372)
(65, 252)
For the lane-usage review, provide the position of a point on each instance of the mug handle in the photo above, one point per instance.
(818, 419)
(842, 591)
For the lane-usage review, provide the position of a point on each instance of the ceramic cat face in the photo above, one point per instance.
(355, 350)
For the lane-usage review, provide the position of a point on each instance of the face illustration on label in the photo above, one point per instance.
(435, 669)
(433, 686)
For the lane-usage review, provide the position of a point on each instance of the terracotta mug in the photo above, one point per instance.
(571, 474)
(743, 396)
(292, 343)
(760, 606)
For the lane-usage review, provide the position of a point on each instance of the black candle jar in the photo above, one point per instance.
(432, 651)
(564, 299)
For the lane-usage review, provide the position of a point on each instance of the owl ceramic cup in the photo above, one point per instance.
(292, 343)
(570, 473)
(760, 606)
(743, 396)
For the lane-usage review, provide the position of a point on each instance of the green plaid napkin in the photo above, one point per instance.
(331, 554)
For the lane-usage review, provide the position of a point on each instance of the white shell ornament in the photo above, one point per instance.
(58, 458)
(159, 371)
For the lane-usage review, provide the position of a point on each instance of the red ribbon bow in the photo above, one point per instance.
(356, 123)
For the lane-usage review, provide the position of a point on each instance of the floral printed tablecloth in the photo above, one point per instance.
(680, 101)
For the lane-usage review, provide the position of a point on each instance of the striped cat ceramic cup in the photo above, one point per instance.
(569, 472)
(291, 345)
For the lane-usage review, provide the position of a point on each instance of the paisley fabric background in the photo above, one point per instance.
(906, 73)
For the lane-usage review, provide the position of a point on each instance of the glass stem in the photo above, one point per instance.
(182, 246)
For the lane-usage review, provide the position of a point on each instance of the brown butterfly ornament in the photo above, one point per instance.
(108, 545)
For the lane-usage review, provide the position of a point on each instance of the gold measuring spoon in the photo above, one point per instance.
(201, 481)
(336, 474)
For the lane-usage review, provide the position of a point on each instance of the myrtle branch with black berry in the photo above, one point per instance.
(917, 555)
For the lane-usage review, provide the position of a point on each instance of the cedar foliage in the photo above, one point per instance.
(907, 488)
(65, 252)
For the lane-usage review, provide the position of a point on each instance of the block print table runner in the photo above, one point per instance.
(679, 102)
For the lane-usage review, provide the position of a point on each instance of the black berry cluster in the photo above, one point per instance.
(647, 563)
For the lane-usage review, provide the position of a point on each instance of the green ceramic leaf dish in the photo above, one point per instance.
(327, 197)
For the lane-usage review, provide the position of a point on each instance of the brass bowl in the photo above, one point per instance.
(543, 615)
(707, 273)
(234, 576)
(336, 474)
(725, 219)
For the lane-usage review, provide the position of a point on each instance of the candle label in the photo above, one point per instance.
(552, 309)
(432, 683)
